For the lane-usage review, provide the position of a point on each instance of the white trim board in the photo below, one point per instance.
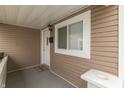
(63, 78)
(28, 67)
(121, 42)
(41, 46)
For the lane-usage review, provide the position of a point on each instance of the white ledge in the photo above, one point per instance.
(102, 79)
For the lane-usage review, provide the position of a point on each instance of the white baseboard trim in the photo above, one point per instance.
(63, 78)
(23, 68)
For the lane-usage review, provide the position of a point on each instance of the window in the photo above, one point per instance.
(76, 36)
(62, 38)
(72, 37)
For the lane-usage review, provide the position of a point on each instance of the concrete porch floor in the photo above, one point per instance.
(32, 78)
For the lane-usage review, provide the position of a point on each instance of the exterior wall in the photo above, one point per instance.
(22, 45)
(104, 47)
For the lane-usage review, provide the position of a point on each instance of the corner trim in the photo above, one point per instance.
(63, 78)
(121, 42)
(23, 68)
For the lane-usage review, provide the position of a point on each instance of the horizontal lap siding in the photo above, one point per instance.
(104, 48)
(22, 45)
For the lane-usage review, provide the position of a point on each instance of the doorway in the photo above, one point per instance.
(45, 47)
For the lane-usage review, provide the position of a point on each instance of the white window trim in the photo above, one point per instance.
(86, 17)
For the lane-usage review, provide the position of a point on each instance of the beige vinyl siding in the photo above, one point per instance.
(22, 45)
(104, 48)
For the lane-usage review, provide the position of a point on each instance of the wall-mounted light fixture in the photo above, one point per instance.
(50, 27)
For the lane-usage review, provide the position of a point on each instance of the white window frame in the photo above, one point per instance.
(86, 18)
